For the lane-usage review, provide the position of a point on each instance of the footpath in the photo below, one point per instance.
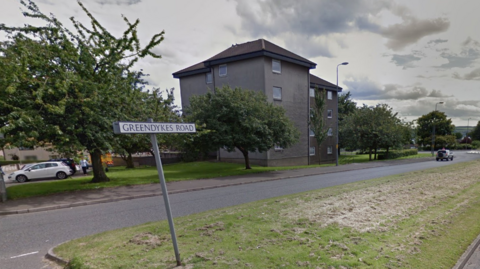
(470, 259)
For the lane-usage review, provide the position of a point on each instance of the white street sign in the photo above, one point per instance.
(153, 128)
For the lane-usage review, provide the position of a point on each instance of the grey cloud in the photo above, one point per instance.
(316, 18)
(411, 30)
(469, 53)
(118, 2)
(406, 61)
(437, 41)
(474, 75)
(365, 89)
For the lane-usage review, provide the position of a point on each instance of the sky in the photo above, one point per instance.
(408, 54)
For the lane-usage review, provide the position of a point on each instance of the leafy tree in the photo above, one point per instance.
(317, 120)
(240, 119)
(426, 123)
(376, 127)
(475, 133)
(65, 87)
(458, 135)
(346, 107)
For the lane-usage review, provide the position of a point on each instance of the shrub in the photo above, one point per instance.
(394, 154)
(476, 144)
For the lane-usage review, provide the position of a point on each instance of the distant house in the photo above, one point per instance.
(29, 154)
(285, 79)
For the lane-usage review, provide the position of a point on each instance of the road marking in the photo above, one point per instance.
(31, 253)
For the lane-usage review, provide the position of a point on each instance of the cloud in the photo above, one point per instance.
(311, 19)
(365, 89)
(118, 2)
(411, 30)
(474, 75)
(437, 41)
(469, 53)
(406, 61)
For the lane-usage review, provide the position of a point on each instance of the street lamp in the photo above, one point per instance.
(433, 136)
(336, 147)
(466, 135)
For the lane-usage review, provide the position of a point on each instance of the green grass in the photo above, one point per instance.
(346, 226)
(120, 176)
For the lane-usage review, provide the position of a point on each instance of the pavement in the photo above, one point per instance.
(107, 195)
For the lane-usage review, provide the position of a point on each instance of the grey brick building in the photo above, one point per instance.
(285, 79)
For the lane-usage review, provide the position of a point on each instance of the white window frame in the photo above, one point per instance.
(312, 92)
(310, 131)
(207, 77)
(279, 65)
(329, 113)
(329, 150)
(277, 148)
(311, 151)
(330, 132)
(273, 93)
(329, 95)
(220, 74)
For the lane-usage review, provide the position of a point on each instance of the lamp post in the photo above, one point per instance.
(466, 135)
(336, 147)
(433, 135)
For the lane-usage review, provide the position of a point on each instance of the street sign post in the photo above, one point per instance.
(154, 128)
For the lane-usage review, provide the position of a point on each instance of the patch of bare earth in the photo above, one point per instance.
(367, 209)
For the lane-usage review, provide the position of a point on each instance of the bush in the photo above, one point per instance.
(476, 144)
(394, 154)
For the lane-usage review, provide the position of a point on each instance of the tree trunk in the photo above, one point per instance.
(98, 172)
(129, 161)
(375, 154)
(369, 154)
(386, 154)
(245, 155)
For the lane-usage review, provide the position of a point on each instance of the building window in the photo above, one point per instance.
(276, 66)
(329, 113)
(208, 77)
(312, 150)
(222, 70)
(31, 158)
(312, 92)
(311, 113)
(329, 150)
(329, 95)
(277, 93)
(278, 148)
(330, 132)
(311, 131)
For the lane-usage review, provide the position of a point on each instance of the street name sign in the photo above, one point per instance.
(152, 127)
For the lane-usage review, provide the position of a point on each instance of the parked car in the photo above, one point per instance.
(444, 154)
(70, 162)
(49, 169)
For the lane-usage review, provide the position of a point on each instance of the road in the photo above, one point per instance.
(26, 238)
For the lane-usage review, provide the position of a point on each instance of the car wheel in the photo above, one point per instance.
(61, 175)
(21, 178)
(437, 159)
(451, 159)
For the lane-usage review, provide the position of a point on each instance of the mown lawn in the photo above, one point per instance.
(421, 219)
(120, 176)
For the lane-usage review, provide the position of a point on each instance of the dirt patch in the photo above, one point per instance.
(210, 229)
(147, 239)
(380, 207)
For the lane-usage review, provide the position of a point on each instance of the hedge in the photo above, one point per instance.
(394, 154)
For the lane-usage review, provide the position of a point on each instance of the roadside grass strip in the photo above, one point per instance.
(422, 219)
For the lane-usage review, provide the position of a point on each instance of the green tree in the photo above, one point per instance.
(65, 87)
(425, 124)
(317, 120)
(458, 135)
(371, 128)
(346, 107)
(240, 119)
(475, 133)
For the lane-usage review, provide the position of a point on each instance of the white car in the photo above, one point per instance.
(59, 170)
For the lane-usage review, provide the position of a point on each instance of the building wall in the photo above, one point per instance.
(39, 153)
(193, 85)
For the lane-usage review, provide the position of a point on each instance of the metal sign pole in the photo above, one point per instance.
(158, 161)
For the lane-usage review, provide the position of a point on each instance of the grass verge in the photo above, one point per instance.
(120, 176)
(422, 219)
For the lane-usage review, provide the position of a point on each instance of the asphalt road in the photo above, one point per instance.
(26, 238)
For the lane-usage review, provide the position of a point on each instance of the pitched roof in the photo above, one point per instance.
(236, 52)
(321, 83)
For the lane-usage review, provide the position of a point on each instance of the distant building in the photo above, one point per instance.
(285, 79)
